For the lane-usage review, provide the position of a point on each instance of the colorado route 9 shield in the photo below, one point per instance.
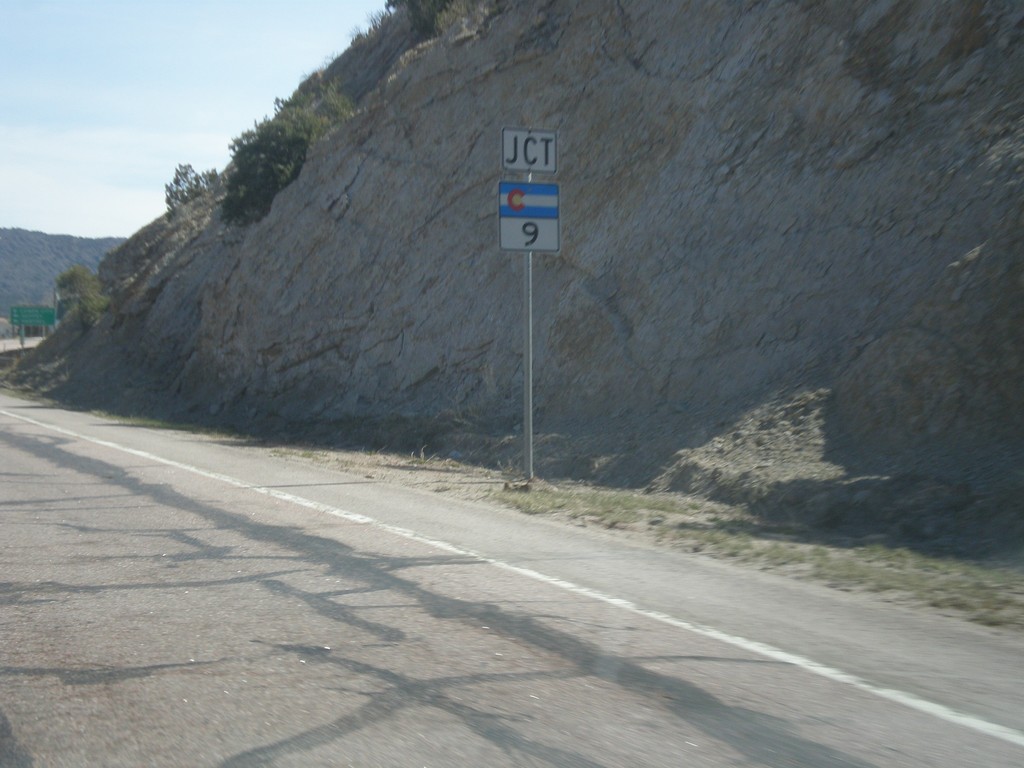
(528, 216)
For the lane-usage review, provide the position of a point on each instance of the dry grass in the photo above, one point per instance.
(985, 593)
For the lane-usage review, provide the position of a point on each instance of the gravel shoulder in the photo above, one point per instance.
(987, 591)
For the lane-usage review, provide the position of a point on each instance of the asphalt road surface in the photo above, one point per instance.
(14, 343)
(173, 600)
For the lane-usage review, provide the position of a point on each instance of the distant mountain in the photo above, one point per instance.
(31, 261)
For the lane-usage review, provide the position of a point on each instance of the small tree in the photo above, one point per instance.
(423, 14)
(81, 295)
(186, 186)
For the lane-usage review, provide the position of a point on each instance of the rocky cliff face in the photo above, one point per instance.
(762, 202)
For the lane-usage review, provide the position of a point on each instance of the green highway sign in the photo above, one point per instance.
(33, 316)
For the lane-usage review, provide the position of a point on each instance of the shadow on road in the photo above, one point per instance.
(761, 738)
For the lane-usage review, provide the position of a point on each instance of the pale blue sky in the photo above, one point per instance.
(100, 100)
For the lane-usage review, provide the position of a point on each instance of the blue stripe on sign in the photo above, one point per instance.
(546, 212)
(505, 187)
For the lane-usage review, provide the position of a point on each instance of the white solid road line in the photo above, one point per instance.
(940, 711)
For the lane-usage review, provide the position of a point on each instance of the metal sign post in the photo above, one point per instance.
(528, 221)
(528, 365)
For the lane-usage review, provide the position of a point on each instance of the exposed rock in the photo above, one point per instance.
(765, 207)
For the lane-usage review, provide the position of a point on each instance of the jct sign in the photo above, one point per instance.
(529, 151)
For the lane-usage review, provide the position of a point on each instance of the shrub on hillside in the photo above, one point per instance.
(186, 186)
(423, 14)
(81, 296)
(269, 157)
